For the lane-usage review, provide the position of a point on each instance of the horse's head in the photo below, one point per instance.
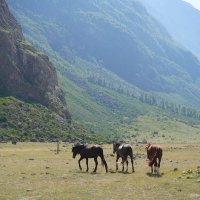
(116, 146)
(76, 149)
(147, 146)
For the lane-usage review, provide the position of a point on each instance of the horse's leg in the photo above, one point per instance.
(123, 161)
(104, 163)
(126, 165)
(87, 164)
(117, 162)
(159, 161)
(79, 162)
(155, 166)
(152, 169)
(96, 163)
(133, 170)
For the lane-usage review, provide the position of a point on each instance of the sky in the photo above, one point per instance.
(195, 3)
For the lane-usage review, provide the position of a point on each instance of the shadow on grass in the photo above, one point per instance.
(119, 172)
(154, 175)
(95, 173)
(85, 172)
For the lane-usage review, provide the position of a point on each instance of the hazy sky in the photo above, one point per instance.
(195, 3)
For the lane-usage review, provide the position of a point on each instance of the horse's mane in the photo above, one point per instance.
(79, 144)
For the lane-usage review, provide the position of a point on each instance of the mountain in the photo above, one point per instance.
(25, 72)
(118, 35)
(118, 68)
(182, 22)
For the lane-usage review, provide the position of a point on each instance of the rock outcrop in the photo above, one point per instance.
(24, 72)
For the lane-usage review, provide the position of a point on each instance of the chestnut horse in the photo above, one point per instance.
(154, 156)
(123, 151)
(89, 152)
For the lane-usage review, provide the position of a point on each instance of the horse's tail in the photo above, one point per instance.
(103, 161)
(131, 153)
(132, 158)
(158, 154)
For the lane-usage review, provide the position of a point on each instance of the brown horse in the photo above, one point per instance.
(89, 152)
(154, 156)
(123, 151)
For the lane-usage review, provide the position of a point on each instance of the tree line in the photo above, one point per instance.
(150, 99)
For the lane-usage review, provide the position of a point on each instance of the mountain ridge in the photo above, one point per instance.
(181, 23)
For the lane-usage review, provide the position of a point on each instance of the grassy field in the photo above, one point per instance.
(33, 171)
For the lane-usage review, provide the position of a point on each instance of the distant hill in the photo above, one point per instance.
(180, 18)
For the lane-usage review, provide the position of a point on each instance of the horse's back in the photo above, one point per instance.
(125, 150)
(154, 149)
(128, 146)
(125, 146)
(92, 151)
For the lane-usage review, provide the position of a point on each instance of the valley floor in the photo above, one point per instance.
(34, 171)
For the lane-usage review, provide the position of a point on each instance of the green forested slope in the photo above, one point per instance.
(120, 35)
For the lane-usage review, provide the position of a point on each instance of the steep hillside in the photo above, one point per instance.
(25, 73)
(182, 22)
(24, 121)
(118, 35)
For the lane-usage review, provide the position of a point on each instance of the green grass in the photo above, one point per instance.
(34, 171)
(31, 121)
(169, 130)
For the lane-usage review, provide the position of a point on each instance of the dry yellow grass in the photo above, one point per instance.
(33, 171)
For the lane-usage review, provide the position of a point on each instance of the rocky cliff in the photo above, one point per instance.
(24, 72)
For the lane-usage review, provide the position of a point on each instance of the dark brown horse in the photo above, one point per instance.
(154, 156)
(89, 152)
(123, 151)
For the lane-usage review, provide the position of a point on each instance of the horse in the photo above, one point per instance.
(123, 151)
(89, 152)
(154, 156)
